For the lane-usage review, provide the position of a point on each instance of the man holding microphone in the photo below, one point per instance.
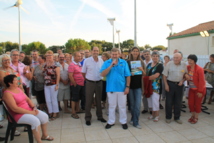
(117, 75)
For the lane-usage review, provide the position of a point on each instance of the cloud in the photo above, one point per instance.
(50, 10)
(77, 14)
(98, 6)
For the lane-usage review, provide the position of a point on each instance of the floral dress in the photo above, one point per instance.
(50, 74)
(156, 83)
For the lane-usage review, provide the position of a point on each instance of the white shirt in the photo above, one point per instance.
(64, 76)
(92, 68)
(148, 62)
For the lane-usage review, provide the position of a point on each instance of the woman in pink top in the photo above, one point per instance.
(23, 110)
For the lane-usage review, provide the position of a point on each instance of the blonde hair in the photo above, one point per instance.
(107, 55)
(4, 56)
(66, 54)
(116, 50)
(49, 52)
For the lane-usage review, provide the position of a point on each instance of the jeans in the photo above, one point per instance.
(135, 98)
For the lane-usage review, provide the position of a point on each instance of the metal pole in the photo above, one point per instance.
(113, 34)
(135, 25)
(119, 39)
(20, 44)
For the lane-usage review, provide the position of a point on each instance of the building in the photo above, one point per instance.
(190, 41)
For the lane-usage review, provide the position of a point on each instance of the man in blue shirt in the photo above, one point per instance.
(117, 75)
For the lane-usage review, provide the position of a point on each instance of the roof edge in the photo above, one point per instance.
(187, 35)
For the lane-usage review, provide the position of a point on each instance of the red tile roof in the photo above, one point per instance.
(196, 29)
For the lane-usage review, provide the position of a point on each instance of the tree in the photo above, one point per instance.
(147, 46)
(159, 47)
(73, 45)
(9, 45)
(1, 50)
(35, 46)
(24, 46)
(127, 44)
(54, 48)
(141, 48)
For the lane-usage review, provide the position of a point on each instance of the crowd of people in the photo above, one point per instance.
(83, 80)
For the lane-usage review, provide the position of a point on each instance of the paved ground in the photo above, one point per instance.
(68, 130)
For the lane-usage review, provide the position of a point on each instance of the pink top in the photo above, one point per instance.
(20, 70)
(20, 99)
(76, 69)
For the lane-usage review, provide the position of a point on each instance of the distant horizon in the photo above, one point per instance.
(54, 22)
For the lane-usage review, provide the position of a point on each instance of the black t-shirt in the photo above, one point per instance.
(136, 80)
(159, 69)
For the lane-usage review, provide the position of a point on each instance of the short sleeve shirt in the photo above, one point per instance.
(50, 74)
(76, 69)
(92, 69)
(63, 76)
(116, 78)
(174, 72)
(20, 69)
(156, 83)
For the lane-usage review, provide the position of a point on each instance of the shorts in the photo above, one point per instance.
(40, 97)
(77, 92)
(63, 94)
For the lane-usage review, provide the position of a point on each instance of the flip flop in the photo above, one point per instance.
(81, 111)
(48, 138)
(75, 116)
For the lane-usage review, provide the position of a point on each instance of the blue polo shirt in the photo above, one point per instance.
(116, 78)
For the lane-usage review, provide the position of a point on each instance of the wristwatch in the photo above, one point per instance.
(128, 86)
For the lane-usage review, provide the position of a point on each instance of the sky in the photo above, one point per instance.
(54, 22)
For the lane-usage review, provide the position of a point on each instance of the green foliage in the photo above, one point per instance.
(147, 46)
(73, 45)
(9, 45)
(159, 47)
(54, 48)
(24, 47)
(127, 44)
(1, 50)
(35, 46)
(141, 48)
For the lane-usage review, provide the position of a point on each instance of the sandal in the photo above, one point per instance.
(156, 119)
(151, 117)
(48, 138)
(75, 116)
(194, 121)
(80, 111)
(190, 119)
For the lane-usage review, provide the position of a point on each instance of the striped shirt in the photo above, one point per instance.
(76, 69)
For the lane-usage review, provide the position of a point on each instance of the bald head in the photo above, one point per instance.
(177, 57)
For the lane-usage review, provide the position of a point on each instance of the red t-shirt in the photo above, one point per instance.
(76, 69)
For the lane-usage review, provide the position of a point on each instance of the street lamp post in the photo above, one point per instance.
(206, 34)
(111, 20)
(20, 40)
(170, 27)
(118, 32)
(135, 24)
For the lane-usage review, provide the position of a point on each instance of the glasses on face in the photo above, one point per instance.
(48, 55)
(15, 55)
(7, 60)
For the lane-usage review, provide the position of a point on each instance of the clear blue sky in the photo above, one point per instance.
(53, 22)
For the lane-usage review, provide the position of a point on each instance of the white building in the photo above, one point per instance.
(190, 41)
